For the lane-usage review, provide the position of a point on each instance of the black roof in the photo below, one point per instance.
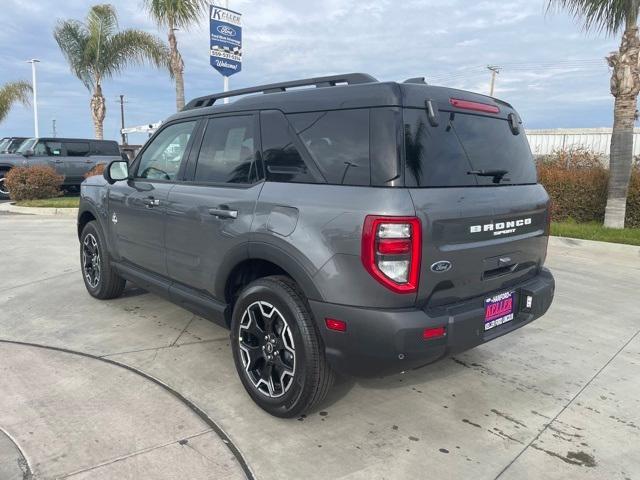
(62, 139)
(354, 90)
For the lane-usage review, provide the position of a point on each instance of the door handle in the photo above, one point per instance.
(151, 202)
(223, 213)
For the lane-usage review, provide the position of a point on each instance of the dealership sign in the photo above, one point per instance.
(226, 40)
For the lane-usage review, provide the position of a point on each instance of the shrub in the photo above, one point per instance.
(576, 181)
(32, 183)
(633, 200)
(97, 170)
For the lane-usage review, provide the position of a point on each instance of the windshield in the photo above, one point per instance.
(465, 150)
(27, 145)
(3, 144)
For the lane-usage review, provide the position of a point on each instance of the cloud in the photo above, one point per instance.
(545, 74)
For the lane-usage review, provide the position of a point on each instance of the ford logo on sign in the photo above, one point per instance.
(440, 267)
(226, 30)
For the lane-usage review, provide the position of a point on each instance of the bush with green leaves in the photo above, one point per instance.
(577, 180)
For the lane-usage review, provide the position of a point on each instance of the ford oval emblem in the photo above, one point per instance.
(226, 30)
(441, 267)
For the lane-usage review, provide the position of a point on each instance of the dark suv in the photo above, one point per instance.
(359, 227)
(70, 157)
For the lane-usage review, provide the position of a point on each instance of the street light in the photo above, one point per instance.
(34, 86)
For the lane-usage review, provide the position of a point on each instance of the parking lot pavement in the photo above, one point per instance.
(558, 399)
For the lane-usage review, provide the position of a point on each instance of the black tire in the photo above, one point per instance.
(100, 278)
(310, 377)
(3, 195)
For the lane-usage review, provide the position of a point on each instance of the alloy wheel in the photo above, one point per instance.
(91, 260)
(267, 349)
(3, 187)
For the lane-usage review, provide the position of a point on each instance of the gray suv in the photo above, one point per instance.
(70, 157)
(358, 227)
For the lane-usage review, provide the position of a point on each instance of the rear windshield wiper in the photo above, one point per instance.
(497, 175)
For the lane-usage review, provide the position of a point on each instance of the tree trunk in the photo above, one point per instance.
(177, 68)
(98, 112)
(625, 85)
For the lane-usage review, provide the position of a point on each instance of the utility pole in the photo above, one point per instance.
(34, 87)
(124, 138)
(495, 70)
(54, 132)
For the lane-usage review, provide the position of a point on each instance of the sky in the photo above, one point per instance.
(552, 72)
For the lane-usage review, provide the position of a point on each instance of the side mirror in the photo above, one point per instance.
(116, 171)
(28, 153)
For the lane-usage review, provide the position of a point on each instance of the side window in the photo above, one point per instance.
(281, 157)
(47, 149)
(338, 141)
(105, 148)
(162, 158)
(77, 149)
(227, 150)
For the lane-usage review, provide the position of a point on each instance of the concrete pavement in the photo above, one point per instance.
(559, 398)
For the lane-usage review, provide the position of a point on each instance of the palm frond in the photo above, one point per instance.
(610, 16)
(177, 13)
(72, 38)
(133, 47)
(12, 93)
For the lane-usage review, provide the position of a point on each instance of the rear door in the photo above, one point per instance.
(138, 206)
(209, 215)
(77, 161)
(474, 186)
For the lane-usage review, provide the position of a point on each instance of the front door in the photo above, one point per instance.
(138, 206)
(76, 161)
(209, 215)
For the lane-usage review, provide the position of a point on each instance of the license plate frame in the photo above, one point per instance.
(499, 309)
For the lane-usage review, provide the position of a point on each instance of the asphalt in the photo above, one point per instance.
(139, 388)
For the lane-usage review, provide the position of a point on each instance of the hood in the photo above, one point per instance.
(11, 159)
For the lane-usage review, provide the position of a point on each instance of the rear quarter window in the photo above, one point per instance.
(443, 156)
(338, 142)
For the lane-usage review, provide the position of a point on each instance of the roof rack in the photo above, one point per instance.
(330, 81)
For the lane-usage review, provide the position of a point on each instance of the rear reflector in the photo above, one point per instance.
(435, 332)
(475, 106)
(336, 325)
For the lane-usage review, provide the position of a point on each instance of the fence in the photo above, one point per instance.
(597, 140)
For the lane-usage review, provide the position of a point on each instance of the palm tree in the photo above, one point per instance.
(96, 50)
(612, 17)
(11, 93)
(174, 14)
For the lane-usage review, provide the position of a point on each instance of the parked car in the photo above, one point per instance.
(70, 157)
(360, 227)
(11, 144)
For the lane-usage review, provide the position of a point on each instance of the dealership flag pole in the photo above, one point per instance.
(34, 87)
(225, 81)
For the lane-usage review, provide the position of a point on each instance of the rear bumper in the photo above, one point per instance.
(381, 342)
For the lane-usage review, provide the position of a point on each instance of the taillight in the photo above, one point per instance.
(475, 106)
(391, 249)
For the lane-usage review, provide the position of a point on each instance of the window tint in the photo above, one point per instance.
(281, 157)
(338, 141)
(162, 158)
(443, 156)
(77, 149)
(227, 150)
(48, 149)
(105, 148)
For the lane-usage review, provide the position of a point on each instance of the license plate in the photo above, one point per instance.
(498, 310)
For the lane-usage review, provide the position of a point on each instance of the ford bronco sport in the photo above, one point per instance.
(355, 226)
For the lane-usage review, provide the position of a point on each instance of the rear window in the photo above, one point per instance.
(443, 156)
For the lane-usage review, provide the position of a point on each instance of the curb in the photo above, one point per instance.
(11, 208)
